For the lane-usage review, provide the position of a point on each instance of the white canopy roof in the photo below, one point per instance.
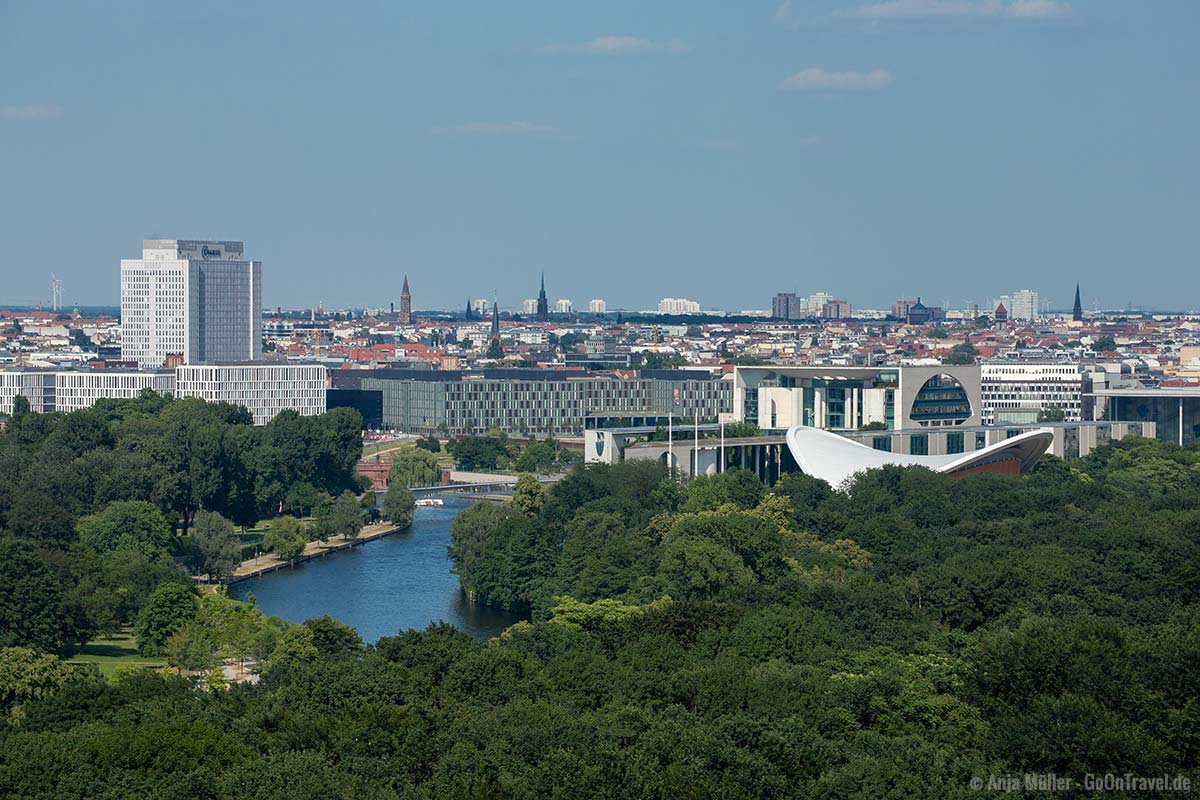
(835, 459)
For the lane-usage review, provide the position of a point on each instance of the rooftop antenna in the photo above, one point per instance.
(56, 293)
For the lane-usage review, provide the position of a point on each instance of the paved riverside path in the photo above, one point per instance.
(316, 549)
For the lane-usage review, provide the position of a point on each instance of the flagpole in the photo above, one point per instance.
(696, 446)
(670, 443)
(722, 458)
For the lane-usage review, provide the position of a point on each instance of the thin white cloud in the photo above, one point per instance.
(34, 111)
(1039, 9)
(817, 79)
(783, 11)
(618, 45)
(513, 128)
(917, 9)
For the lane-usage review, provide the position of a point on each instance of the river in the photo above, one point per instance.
(385, 586)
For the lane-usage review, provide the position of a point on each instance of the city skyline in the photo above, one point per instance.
(872, 151)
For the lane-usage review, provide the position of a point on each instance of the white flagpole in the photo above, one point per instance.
(670, 443)
(722, 459)
(696, 448)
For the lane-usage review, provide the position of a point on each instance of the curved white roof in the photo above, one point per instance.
(835, 458)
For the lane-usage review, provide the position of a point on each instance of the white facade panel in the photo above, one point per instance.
(263, 389)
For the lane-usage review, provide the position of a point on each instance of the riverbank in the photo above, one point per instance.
(401, 581)
(264, 564)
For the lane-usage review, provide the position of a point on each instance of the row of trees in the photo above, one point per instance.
(497, 451)
(419, 465)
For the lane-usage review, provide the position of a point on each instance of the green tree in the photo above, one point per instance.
(430, 443)
(295, 646)
(334, 639)
(303, 497)
(399, 505)
(286, 537)
(415, 466)
(27, 675)
(169, 608)
(537, 456)
(346, 515)
(1104, 344)
(31, 598)
(700, 569)
(479, 452)
(191, 649)
(964, 353)
(218, 544)
(529, 496)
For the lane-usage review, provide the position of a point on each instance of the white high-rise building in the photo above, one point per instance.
(678, 305)
(597, 307)
(195, 299)
(563, 306)
(1022, 305)
(529, 306)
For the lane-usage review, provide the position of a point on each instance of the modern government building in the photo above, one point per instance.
(543, 402)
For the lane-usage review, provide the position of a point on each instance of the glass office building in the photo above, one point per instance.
(536, 401)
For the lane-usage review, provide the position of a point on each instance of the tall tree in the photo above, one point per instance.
(218, 543)
(414, 466)
(169, 608)
(399, 504)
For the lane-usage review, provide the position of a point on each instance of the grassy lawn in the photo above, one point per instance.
(110, 652)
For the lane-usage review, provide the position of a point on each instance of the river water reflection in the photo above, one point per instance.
(384, 587)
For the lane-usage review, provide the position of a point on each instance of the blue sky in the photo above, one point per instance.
(955, 149)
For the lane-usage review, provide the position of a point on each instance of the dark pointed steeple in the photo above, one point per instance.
(495, 350)
(543, 305)
(1077, 314)
(405, 304)
(468, 314)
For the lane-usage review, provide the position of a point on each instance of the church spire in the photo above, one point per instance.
(543, 305)
(405, 304)
(1077, 314)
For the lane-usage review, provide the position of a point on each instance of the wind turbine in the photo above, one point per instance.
(56, 293)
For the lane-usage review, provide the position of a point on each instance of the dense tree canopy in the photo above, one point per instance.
(714, 640)
(96, 505)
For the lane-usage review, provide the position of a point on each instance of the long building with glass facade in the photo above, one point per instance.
(534, 401)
